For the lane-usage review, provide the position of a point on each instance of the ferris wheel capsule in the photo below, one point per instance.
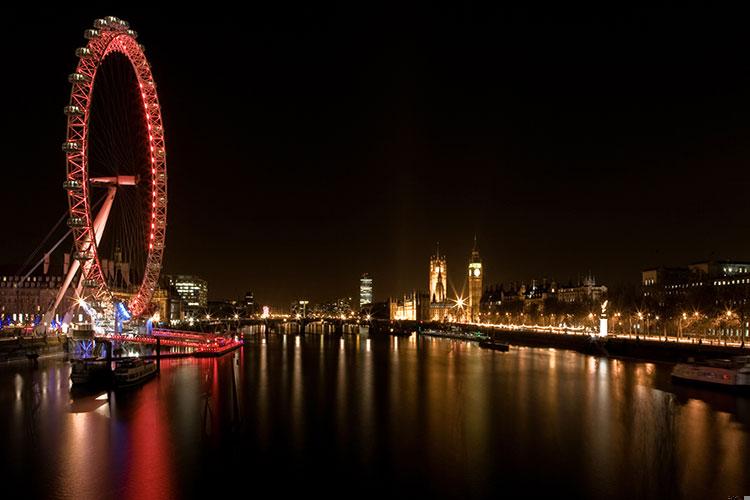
(83, 256)
(83, 52)
(71, 146)
(72, 111)
(76, 222)
(78, 78)
(90, 34)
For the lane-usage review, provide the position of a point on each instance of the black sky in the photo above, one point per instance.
(306, 146)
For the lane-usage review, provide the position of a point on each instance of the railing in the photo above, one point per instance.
(181, 334)
(201, 343)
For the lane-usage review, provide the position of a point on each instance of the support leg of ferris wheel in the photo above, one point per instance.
(99, 223)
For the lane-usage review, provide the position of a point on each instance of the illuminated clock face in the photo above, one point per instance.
(476, 273)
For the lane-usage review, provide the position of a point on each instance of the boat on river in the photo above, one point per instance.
(454, 333)
(494, 345)
(133, 371)
(89, 372)
(732, 373)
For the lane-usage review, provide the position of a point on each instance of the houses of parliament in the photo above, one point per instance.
(436, 305)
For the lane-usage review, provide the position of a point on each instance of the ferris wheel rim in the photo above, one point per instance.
(112, 35)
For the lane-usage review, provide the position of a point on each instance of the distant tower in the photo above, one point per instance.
(438, 275)
(365, 290)
(475, 283)
(249, 303)
(438, 286)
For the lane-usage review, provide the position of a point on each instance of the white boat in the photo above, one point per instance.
(729, 373)
(129, 372)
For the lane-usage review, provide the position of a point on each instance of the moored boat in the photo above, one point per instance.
(733, 373)
(133, 371)
(494, 345)
(454, 334)
(89, 372)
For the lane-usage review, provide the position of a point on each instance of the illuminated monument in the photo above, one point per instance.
(475, 283)
(438, 287)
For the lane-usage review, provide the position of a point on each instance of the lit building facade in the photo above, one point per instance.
(716, 289)
(414, 306)
(664, 284)
(26, 301)
(588, 291)
(476, 274)
(439, 307)
(542, 296)
(192, 289)
(365, 290)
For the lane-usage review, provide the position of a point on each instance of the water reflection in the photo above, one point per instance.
(402, 416)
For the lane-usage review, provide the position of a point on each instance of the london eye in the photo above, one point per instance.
(116, 176)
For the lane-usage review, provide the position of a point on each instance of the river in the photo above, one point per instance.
(356, 417)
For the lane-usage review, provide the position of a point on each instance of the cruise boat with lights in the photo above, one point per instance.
(133, 371)
(454, 333)
(733, 373)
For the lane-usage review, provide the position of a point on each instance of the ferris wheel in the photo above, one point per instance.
(116, 174)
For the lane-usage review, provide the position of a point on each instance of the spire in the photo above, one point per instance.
(438, 251)
(474, 251)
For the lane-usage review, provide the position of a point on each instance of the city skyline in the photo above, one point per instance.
(351, 240)
(561, 155)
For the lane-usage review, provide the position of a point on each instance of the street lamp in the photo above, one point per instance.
(617, 322)
(682, 318)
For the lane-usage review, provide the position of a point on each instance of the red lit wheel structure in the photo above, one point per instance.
(116, 171)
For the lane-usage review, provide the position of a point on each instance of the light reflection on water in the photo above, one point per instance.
(401, 416)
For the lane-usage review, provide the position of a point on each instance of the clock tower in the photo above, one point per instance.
(475, 283)
(438, 287)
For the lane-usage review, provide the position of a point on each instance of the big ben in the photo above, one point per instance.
(475, 283)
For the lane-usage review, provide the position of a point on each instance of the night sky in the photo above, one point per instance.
(306, 146)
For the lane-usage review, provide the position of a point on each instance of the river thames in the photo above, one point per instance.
(358, 417)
